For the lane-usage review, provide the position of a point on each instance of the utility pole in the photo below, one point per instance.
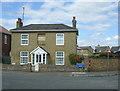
(23, 14)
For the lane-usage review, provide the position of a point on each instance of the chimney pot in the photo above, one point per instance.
(19, 19)
(19, 23)
(74, 22)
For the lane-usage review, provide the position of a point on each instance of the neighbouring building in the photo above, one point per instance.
(43, 43)
(115, 49)
(85, 50)
(5, 43)
(100, 49)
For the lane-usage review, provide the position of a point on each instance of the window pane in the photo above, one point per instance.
(60, 39)
(24, 41)
(60, 58)
(24, 53)
(24, 36)
(5, 39)
(24, 60)
(59, 35)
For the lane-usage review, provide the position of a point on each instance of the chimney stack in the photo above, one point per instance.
(74, 22)
(19, 23)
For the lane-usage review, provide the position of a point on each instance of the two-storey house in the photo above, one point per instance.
(43, 43)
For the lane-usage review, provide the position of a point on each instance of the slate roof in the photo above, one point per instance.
(4, 30)
(44, 27)
(101, 49)
(115, 49)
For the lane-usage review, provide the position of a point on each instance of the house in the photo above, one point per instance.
(5, 43)
(115, 49)
(43, 43)
(101, 49)
(85, 50)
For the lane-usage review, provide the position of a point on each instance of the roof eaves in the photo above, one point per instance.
(54, 30)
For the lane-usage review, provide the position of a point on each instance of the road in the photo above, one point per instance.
(55, 80)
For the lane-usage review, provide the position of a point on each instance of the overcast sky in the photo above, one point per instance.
(97, 22)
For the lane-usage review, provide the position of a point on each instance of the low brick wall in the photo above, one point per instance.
(97, 65)
(103, 64)
(10, 67)
(58, 68)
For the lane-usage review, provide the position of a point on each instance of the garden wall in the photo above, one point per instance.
(10, 67)
(103, 64)
(97, 65)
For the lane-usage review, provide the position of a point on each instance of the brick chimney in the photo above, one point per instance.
(19, 23)
(74, 22)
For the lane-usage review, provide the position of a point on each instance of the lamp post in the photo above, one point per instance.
(108, 56)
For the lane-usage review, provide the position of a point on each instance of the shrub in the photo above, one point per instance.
(74, 58)
(94, 56)
(106, 55)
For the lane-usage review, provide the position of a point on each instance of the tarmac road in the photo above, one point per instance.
(55, 80)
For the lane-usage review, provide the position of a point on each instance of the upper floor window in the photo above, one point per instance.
(59, 39)
(5, 39)
(24, 39)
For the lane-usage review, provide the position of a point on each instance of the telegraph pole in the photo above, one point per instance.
(23, 14)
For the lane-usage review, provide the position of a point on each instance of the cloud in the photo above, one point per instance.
(97, 27)
(94, 16)
(96, 34)
(8, 23)
(60, 0)
(55, 12)
(113, 38)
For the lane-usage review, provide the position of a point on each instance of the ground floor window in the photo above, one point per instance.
(59, 58)
(24, 57)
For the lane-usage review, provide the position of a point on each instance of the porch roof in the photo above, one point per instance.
(39, 50)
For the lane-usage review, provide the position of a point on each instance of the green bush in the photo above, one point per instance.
(94, 56)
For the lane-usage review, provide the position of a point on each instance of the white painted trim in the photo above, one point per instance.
(26, 56)
(57, 39)
(63, 58)
(24, 39)
(37, 49)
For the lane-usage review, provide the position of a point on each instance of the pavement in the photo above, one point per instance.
(76, 74)
(96, 74)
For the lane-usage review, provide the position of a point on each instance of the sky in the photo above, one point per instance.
(97, 22)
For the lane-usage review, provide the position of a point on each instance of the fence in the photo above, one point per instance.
(6, 59)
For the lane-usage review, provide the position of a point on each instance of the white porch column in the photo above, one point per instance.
(45, 58)
(42, 58)
(31, 58)
(35, 59)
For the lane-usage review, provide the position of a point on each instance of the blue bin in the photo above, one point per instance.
(80, 65)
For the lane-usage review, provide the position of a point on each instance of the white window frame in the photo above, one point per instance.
(25, 39)
(5, 39)
(56, 57)
(59, 39)
(24, 56)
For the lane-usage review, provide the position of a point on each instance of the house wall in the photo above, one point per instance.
(6, 48)
(83, 52)
(0, 45)
(50, 45)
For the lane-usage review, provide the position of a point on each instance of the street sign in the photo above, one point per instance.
(108, 50)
